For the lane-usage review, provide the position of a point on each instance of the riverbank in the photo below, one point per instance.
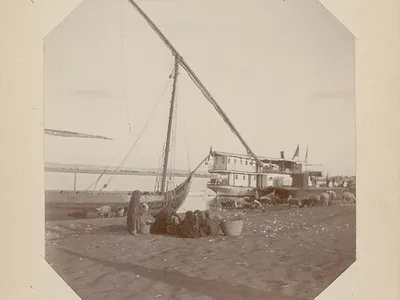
(58, 205)
(282, 254)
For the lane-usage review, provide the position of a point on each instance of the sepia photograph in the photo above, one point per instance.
(199, 149)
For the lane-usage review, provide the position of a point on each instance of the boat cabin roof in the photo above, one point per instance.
(263, 159)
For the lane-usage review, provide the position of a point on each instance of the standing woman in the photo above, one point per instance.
(134, 217)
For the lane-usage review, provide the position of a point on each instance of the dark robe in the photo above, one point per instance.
(189, 227)
(134, 217)
(212, 225)
(202, 222)
(164, 223)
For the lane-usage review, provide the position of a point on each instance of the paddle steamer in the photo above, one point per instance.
(235, 174)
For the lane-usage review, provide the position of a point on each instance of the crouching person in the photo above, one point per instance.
(208, 226)
(189, 227)
(167, 222)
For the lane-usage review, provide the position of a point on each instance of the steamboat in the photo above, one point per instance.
(237, 175)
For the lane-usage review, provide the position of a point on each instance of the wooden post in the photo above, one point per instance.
(171, 115)
(75, 181)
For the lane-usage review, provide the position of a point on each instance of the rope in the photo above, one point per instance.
(138, 138)
(131, 149)
(161, 159)
(196, 80)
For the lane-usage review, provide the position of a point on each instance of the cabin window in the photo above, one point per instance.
(234, 160)
(244, 177)
(241, 161)
(246, 162)
(223, 159)
(255, 177)
(251, 163)
(229, 160)
(236, 176)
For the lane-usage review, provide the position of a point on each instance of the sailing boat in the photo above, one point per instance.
(163, 197)
(176, 197)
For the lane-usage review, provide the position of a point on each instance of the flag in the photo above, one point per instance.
(306, 157)
(296, 153)
(211, 151)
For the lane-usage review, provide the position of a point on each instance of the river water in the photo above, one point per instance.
(199, 196)
(65, 181)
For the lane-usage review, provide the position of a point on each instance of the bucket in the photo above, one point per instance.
(232, 227)
(145, 229)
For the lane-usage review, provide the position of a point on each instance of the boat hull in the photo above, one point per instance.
(156, 202)
(229, 191)
(299, 193)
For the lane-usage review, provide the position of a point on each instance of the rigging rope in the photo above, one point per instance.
(138, 138)
(168, 83)
(159, 168)
(196, 81)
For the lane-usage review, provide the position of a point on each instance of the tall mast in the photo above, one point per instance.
(196, 81)
(170, 121)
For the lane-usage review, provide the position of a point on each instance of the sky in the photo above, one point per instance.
(283, 71)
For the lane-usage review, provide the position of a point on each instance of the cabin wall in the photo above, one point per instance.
(240, 180)
(231, 179)
(264, 181)
(253, 181)
(267, 180)
(228, 163)
(240, 164)
(219, 163)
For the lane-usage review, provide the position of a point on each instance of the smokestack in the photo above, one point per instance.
(283, 154)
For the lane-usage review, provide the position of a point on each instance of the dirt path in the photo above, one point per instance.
(283, 254)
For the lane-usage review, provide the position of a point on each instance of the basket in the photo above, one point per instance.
(232, 227)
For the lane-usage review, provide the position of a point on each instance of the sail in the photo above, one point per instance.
(175, 197)
(64, 133)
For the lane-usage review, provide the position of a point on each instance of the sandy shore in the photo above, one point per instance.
(282, 254)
